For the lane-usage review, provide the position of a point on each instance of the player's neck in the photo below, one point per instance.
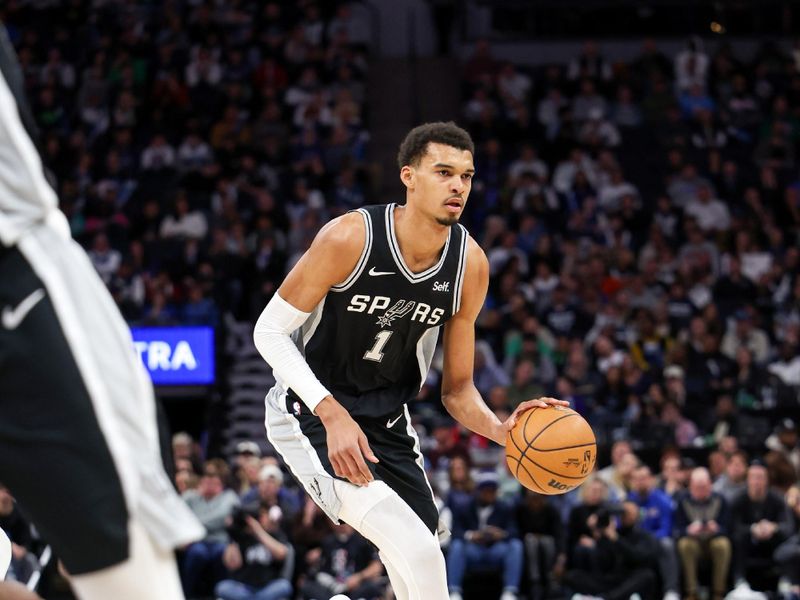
(420, 239)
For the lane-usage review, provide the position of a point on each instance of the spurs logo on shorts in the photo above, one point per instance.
(314, 485)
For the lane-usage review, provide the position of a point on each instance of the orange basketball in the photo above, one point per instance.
(551, 450)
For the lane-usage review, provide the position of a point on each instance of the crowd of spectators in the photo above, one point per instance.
(641, 222)
(672, 532)
(196, 147)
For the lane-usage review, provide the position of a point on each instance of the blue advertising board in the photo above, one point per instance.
(176, 355)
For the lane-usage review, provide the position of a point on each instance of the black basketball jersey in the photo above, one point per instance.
(371, 339)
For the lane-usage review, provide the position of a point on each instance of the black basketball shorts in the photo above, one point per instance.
(301, 439)
(79, 445)
(53, 456)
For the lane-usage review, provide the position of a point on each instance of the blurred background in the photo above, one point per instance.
(637, 194)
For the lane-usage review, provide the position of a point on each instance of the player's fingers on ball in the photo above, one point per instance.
(549, 400)
(529, 404)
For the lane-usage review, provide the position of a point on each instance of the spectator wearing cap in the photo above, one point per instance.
(760, 522)
(247, 448)
(213, 505)
(247, 473)
(484, 537)
(270, 491)
(246, 452)
(785, 441)
(675, 384)
(702, 525)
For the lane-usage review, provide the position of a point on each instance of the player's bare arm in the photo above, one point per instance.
(459, 394)
(330, 259)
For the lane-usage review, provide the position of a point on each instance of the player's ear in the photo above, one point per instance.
(408, 177)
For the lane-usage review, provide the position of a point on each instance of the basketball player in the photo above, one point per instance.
(350, 336)
(79, 443)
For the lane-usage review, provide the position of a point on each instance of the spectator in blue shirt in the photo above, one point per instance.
(656, 512)
(485, 537)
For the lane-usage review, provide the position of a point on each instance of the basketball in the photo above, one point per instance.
(551, 450)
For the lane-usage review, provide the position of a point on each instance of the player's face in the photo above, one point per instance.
(441, 182)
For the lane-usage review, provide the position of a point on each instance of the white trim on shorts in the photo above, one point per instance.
(57, 286)
(420, 459)
(285, 435)
(296, 450)
(122, 397)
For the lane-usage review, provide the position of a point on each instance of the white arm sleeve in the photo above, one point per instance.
(271, 336)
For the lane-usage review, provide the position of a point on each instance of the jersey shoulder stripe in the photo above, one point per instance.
(363, 259)
(462, 267)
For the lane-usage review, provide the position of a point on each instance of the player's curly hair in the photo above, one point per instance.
(416, 142)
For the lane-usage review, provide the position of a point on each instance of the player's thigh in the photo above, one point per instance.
(400, 466)
(54, 456)
(301, 442)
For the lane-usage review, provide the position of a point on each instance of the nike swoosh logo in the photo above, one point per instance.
(375, 273)
(12, 317)
(390, 423)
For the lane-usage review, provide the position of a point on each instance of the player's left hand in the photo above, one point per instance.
(543, 402)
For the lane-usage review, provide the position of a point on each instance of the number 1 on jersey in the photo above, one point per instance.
(375, 353)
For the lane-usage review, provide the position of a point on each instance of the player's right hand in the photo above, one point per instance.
(347, 444)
